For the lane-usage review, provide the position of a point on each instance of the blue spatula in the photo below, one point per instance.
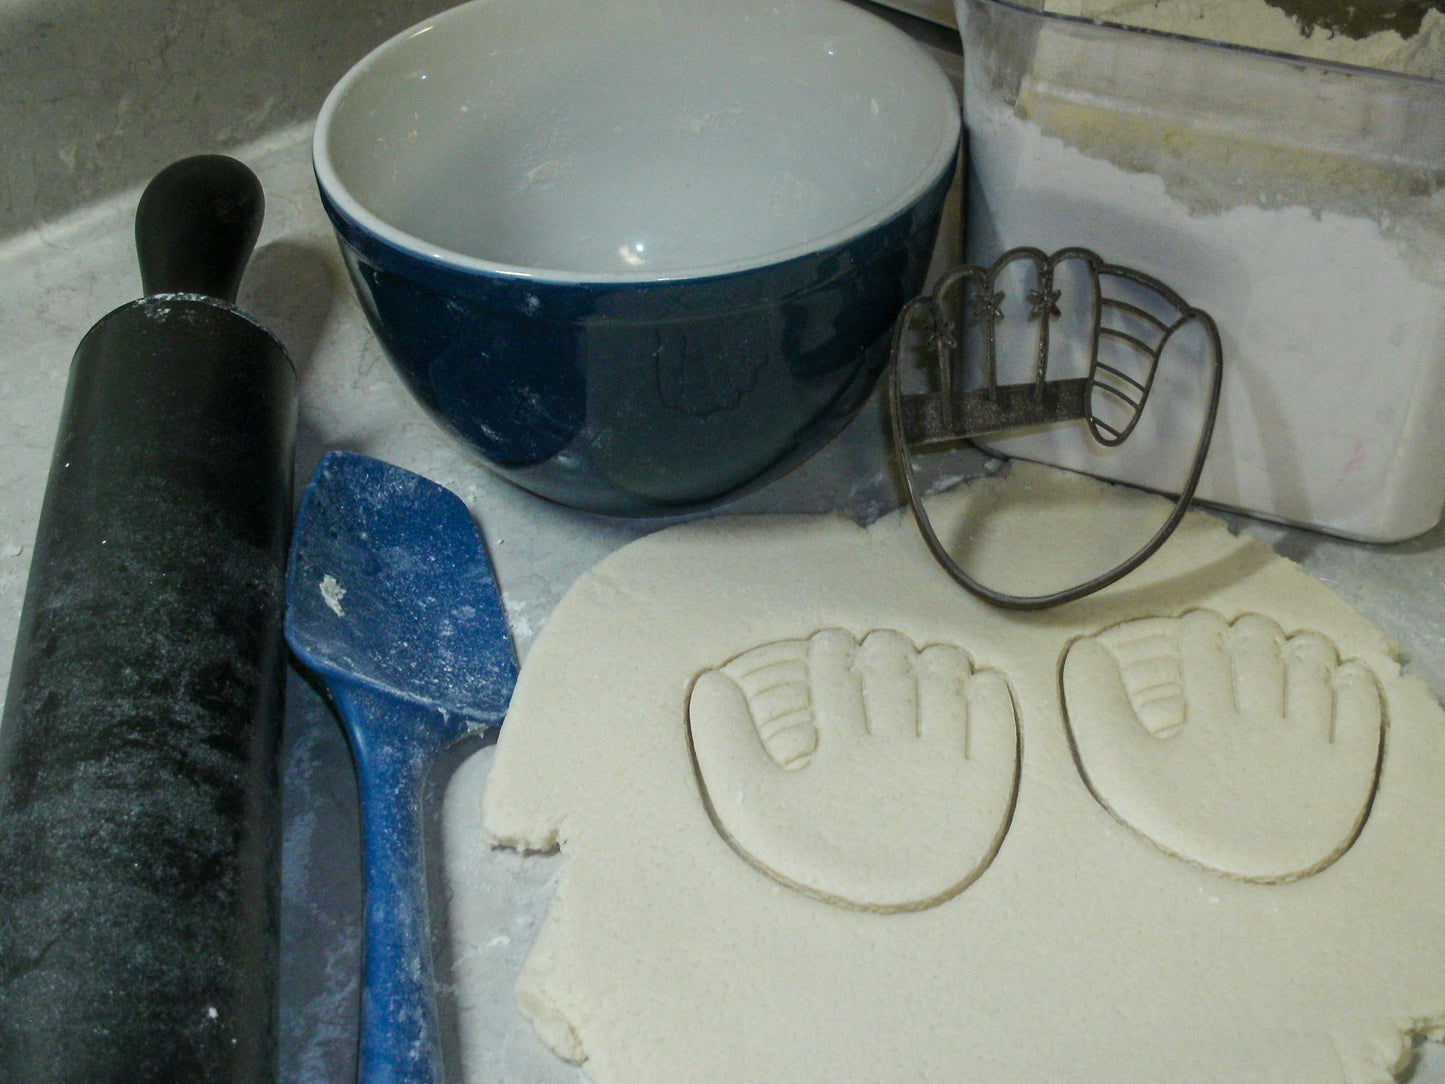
(392, 603)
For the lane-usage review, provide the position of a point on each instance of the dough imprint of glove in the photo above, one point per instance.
(870, 774)
(1232, 745)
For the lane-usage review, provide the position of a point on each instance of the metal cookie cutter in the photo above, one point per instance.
(1096, 363)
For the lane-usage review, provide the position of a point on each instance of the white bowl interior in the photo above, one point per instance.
(635, 138)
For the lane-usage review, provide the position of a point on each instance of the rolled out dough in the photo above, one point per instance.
(1222, 860)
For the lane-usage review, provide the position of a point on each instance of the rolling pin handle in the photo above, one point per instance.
(196, 225)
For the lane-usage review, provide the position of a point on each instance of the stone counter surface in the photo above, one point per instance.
(94, 99)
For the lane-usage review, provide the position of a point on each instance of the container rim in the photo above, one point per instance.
(1273, 56)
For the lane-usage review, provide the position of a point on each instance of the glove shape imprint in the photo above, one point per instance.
(874, 775)
(1230, 745)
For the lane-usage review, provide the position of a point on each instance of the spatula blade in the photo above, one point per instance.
(390, 586)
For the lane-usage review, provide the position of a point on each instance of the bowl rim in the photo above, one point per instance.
(1267, 55)
(944, 157)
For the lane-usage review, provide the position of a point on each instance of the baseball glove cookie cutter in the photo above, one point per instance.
(1131, 318)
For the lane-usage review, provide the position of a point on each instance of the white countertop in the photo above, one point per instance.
(101, 98)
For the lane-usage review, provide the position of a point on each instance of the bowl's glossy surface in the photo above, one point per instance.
(639, 254)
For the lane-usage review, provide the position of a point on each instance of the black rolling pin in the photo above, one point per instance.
(139, 783)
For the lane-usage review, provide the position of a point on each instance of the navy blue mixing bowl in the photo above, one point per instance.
(640, 255)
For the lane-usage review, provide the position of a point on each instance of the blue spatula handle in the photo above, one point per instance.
(400, 1037)
(391, 602)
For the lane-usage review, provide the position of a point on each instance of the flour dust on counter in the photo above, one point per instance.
(1126, 873)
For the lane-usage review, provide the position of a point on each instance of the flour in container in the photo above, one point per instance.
(1297, 203)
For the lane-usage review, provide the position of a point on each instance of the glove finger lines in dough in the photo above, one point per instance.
(1232, 745)
(1188, 730)
(874, 775)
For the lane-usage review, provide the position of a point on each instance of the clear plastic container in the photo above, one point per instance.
(1297, 201)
